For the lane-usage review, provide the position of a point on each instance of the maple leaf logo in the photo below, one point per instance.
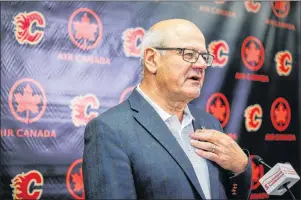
(280, 114)
(218, 110)
(85, 30)
(252, 54)
(27, 101)
(281, 8)
(257, 173)
(77, 179)
(219, 107)
(281, 5)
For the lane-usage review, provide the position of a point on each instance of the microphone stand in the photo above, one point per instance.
(287, 189)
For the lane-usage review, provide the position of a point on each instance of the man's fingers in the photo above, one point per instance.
(208, 155)
(204, 145)
(206, 135)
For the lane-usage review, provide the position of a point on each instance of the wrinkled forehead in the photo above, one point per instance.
(187, 38)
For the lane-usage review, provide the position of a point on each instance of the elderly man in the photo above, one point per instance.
(155, 145)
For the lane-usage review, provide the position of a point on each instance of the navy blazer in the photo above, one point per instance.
(130, 153)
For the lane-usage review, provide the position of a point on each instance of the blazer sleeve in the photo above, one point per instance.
(106, 166)
(239, 186)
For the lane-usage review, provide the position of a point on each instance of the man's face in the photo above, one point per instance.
(180, 79)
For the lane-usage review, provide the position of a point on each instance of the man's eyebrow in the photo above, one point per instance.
(196, 49)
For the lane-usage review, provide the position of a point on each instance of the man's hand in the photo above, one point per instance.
(220, 148)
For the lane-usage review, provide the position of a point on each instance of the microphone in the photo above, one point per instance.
(278, 179)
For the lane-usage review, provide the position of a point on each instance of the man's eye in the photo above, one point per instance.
(189, 55)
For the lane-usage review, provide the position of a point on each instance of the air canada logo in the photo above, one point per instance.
(252, 6)
(284, 61)
(220, 50)
(280, 114)
(74, 180)
(281, 8)
(29, 27)
(253, 117)
(27, 185)
(217, 10)
(27, 100)
(257, 173)
(252, 53)
(131, 41)
(82, 109)
(126, 93)
(85, 28)
(218, 106)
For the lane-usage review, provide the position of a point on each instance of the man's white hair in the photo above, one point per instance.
(151, 38)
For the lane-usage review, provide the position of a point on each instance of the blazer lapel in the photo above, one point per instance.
(213, 170)
(152, 122)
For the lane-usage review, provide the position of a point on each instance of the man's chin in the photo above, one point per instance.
(193, 93)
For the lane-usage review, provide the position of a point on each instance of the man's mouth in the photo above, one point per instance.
(195, 78)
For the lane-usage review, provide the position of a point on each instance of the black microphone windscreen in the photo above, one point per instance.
(257, 159)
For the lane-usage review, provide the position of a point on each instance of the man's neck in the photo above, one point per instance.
(165, 102)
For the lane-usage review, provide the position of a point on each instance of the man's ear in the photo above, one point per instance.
(150, 60)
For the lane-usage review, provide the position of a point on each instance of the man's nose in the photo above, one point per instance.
(200, 63)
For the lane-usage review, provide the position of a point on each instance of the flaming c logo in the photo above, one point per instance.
(218, 106)
(281, 8)
(252, 53)
(131, 37)
(253, 117)
(284, 61)
(257, 173)
(280, 114)
(24, 32)
(220, 50)
(79, 106)
(21, 184)
(252, 6)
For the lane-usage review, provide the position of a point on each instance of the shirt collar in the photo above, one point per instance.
(162, 113)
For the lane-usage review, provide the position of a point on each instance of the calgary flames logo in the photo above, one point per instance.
(284, 62)
(80, 106)
(21, 184)
(252, 6)
(131, 38)
(281, 8)
(253, 117)
(24, 27)
(219, 49)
